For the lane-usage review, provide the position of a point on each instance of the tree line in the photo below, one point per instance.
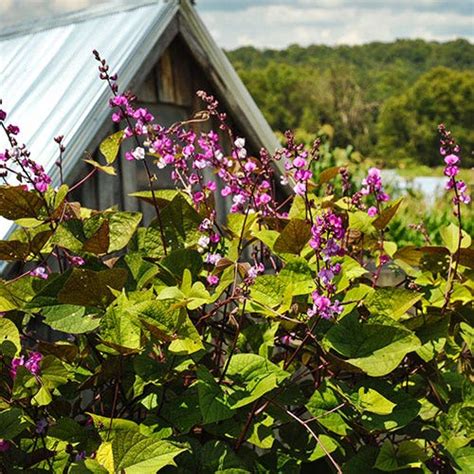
(385, 99)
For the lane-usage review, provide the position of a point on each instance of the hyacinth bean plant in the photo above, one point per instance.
(295, 336)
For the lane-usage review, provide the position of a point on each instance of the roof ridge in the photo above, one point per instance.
(85, 14)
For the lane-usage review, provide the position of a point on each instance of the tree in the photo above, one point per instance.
(407, 122)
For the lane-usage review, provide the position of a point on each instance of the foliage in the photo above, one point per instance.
(290, 336)
(385, 99)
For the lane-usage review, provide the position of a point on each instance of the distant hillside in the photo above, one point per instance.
(384, 98)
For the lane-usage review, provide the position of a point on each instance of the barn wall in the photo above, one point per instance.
(168, 92)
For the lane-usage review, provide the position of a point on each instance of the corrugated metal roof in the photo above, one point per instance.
(49, 81)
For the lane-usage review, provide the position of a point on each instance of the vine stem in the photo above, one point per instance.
(312, 433)
(453, 269)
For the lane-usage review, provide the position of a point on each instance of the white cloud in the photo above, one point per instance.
(277, 23)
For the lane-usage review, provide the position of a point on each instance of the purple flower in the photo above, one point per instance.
(31, 364)
(4, 444)
(451, 159)
(255, 270)
(41, 426)
(213, 280)
(372, 211)
(76, 261)
(119, 101)
(80, 456)
(39, 272)
(300, 189)
(324, 307)
(13, 129)
(451, 171)
(299, 162)
(3, 114)
(213, 258)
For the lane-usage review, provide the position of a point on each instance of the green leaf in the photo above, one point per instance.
(268, 290)
(70, 235)
(70, 319)
(213, 402)
(133, 453)
(122, 226)
(90, 288)
(110, 170)
(450, 238)
(387, 215)
(407, 455)
(294, 237)
(433, 335)
(253, 376)
(404, 410)
(17, 203)
(98, 242)
(111, 146)
(141, 271)
(109, 427)
(329, 447)
(12, 423)
(376, 346)
(322, 405)
(297, 275)
(13, 250)
(391, 302)
(328, 174)
(218, 457)
(236, 222)
(163, 196)
(372, 401)
(180, 228)
(179, 260)
(362, 222)
(120, 329)
(9, 338)
(170, 323)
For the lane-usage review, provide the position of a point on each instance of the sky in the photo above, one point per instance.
(279, 23)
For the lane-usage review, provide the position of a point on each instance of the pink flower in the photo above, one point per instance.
(299, 162)
(76, 261)
(213, 280)
(119, 100)
(300, 189)
(4, 444)
(451, 171)
(451, 160)
(250, 166)
(372, 211)
(32, 364)
(198, 197)
(13, 129)
(39, 272)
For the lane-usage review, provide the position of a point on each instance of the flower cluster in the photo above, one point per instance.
(40, 272)
(296, 165)
(372, 185)
(450, 150)
(16, 160)
(326, 239)
(32, 364)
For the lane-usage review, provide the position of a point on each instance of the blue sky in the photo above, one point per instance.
(278, 23)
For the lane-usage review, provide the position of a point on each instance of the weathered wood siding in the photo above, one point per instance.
(169, 92)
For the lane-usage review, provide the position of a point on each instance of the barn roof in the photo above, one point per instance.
(49, 83)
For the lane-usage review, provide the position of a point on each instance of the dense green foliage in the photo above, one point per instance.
(384, 99)
(293, 335)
